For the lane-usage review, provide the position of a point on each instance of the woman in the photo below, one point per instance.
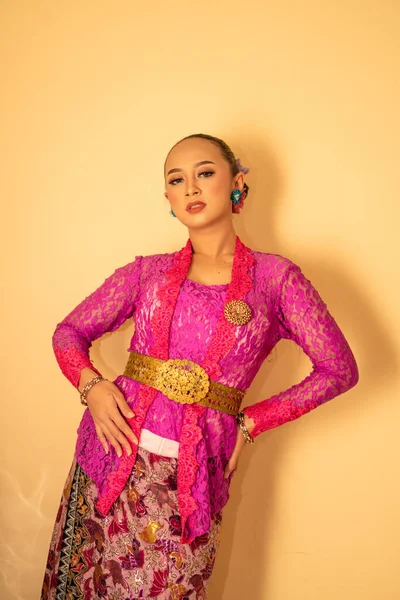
(141, 511)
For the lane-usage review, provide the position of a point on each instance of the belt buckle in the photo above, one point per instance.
(182, 380)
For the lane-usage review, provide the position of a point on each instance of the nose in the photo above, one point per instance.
(192, 188)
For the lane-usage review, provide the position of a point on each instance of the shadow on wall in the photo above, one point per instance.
(21, 557)
(250, 513)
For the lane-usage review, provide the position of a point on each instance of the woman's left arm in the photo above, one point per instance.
(304, 318)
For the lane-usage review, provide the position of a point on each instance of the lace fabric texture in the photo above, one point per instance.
(304, 318)
(284, 304)
(102, 311)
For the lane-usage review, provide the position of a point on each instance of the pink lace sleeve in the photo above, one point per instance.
(304, 318)
(103, 311)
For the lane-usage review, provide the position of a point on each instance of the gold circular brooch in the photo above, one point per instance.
(237, 312)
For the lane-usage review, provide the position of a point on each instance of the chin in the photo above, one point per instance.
(207, 221)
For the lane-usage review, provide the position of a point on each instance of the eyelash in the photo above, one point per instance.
(205, 173)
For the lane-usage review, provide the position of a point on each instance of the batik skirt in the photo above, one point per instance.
(134, 552)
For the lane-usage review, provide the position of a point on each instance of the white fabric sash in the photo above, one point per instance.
(158, 445)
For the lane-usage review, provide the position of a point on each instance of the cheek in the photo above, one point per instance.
(173, 194)
(217, 188)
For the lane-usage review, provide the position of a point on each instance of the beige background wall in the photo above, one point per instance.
(307, 93)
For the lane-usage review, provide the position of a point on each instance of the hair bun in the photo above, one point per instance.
(241, 168)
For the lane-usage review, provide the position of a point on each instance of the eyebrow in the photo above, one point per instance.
(202, 162)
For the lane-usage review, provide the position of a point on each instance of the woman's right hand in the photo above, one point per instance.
(108, 408)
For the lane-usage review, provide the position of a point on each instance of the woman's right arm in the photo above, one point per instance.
(102, 311)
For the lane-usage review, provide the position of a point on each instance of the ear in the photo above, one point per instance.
(239, 181)
(166, 195)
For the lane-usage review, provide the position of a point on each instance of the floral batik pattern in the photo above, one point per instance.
(135, 551)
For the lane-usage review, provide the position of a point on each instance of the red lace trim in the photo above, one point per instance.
(116, 480)
(188, 465)
(160, 324)
(224, 338)
(275, 411)
(167, 295)
(71, 363)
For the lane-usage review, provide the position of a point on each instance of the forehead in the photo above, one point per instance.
(191, 151)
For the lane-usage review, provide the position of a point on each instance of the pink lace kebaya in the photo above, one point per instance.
(179, 318)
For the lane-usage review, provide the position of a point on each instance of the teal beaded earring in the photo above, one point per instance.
(236, 195)
(171, 212)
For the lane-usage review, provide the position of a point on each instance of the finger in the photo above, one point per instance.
(228, 473)
(119, 436)
(231, 466)
(123, 406)
(102, 439)
(235, 456)
(113, 441)
(124, 427)
(240, 442)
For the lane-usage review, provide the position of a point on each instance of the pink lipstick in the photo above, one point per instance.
(195, 207)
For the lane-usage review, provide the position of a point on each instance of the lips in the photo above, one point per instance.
(195, 206)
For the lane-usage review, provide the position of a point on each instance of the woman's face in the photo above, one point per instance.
(199, 182)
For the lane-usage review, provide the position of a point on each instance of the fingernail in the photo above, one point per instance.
(131, 414)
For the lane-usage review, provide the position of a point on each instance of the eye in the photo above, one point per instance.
(206, 174)
(175, 181)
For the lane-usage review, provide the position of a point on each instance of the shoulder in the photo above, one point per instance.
(144, 259)
(274, 267)
(273, 272)
(143, 265)
(158, 262)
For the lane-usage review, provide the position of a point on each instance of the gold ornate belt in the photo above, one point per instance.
(183, 381)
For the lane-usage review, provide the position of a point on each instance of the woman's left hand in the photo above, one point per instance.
(240, 443)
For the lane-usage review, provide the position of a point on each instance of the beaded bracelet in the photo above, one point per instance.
(240, 420)
(88, 387)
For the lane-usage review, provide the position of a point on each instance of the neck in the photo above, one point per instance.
(213, 244)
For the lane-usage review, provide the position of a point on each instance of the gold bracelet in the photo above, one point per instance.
(88, 387)
(240, 420)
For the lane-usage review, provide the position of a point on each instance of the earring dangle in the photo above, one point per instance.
(236, 195)
(171, 212)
